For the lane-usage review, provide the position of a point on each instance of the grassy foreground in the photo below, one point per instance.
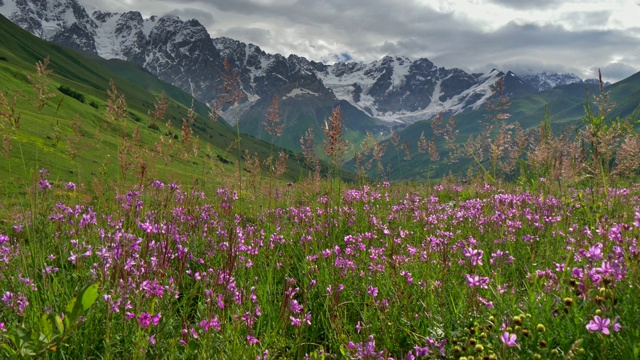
(457, 271)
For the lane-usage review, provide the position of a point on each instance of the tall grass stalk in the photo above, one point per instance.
(231, 95)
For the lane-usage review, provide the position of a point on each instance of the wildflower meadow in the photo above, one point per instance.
(249, 265)
(447, 271)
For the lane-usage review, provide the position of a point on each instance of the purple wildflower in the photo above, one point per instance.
(44, 184)
(599, 324)
(294, 306)
(252, 340)
(474, 255)
(509, 339)
(477, 281)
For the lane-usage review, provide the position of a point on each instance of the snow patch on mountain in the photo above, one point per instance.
(8, 8)
(545, 80)
(299, 92)
(105, 41)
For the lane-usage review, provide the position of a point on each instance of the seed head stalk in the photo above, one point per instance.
(273, 127)
(231, 95)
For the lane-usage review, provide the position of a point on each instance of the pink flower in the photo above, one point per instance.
(44, 184)
(475, 280)
(509, 339)
(474, 255)
(294, 306)
(616, 325)
(599, 324)
(295, 321)
(252, 340)
(487, 303)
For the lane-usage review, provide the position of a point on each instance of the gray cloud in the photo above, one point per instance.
(528, 4)
(583, 19)
(252, 35)
(615, 71)
(577, 39)
(204, 18)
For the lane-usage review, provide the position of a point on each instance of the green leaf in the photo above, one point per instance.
(8, 349)
(69, 315)
(57, 320)
(81, 303)
(46, 326)
(89, 296)
(22, 334)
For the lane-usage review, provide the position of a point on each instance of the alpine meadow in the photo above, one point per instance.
(168, 195)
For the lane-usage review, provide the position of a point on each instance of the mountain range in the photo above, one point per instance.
(392, 92)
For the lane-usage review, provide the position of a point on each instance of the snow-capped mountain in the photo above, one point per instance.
(545, 80)
(64, 22)
(398, 89)
(392, 90)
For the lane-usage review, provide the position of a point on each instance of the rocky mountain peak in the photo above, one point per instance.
(63, 21)
(548, 80)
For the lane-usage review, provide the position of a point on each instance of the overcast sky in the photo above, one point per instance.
(577, 36)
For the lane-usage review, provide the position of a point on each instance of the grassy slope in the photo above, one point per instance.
(565, 104)
(42, 139)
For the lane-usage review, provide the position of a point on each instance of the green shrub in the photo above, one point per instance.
(72, 93)
(134, 117)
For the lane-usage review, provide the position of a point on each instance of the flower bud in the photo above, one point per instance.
(603, 291)
(541, 328)
(517, 320)
(568, 301)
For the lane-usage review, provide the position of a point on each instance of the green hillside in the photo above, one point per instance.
(564, 104)
(76, 142)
